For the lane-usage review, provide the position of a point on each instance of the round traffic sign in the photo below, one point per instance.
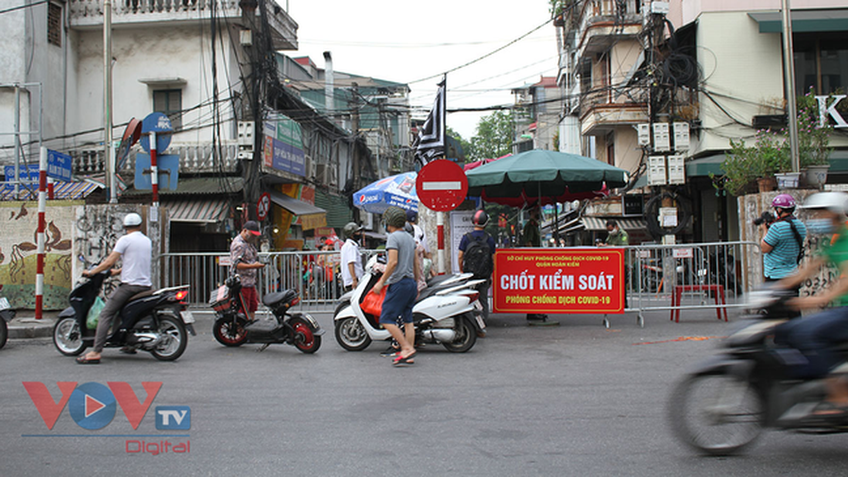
(263, 206)
(161, 125)
(441, 185)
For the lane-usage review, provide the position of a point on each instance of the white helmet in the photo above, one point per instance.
(836, 202)
(132, 220)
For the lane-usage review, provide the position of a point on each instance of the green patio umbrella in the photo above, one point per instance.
(542, 176)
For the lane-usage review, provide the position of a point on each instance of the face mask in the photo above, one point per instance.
(820, 226)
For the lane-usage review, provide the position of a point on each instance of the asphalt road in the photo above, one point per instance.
(576, 399)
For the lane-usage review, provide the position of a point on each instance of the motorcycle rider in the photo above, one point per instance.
(134, 250)
(815, 336)
(399, 276)
(243, 250)
(351, 257)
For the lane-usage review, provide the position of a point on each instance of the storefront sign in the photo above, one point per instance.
(573, 280)
(826, 110)
(283, 146)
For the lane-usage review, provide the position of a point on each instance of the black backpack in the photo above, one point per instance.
(477, 258)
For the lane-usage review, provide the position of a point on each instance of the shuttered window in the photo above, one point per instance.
(169, 102)
(54, 24)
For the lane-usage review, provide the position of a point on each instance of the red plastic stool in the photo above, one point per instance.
(677, 296)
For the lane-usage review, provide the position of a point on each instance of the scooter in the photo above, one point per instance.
(153, 321)
(722, 405)
(7, 314)
(231, 327)
(447, 312)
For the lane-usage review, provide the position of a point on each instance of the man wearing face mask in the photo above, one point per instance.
(816, 336)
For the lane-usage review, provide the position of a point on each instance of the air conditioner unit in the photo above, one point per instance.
(320, 175)
(308, 171)
(332, 175)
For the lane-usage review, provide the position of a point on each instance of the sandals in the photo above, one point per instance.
(84, 360)
(400, 361)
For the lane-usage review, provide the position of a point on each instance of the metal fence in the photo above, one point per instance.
(315, 275)
(690, 276)
(659, 277)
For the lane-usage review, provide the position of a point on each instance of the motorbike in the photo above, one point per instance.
(231, 327)
(722, 405)
(7, 314)
(447, 312)
(154, 321)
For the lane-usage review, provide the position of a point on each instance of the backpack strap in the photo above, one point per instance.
(791, 220)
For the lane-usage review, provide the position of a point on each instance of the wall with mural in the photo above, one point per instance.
(18, 252)
(78, 236)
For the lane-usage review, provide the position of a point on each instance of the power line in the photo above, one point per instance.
(21, 7)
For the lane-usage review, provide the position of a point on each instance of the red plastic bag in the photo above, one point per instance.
(373, 303)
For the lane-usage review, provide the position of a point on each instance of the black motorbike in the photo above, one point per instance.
(232, 327)
(722, 405)
(7, 314)
(152, 321)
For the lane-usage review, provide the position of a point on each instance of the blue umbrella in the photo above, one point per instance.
(396, 190)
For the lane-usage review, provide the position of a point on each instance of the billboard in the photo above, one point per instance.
(283, 146)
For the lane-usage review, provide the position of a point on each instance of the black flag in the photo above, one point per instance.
(431, 138)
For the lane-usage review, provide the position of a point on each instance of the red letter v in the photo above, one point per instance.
(130, 404)
(43, 401)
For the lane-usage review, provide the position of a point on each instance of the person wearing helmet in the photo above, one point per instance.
(351, 257)
(399, 276)
(476, 255)
(783, 240)
(134, 250)
(816, 336)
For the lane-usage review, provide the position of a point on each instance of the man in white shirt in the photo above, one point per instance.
(134, 250)
(351, 259)
(418, 234)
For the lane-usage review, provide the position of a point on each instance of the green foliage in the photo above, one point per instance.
(770, 152)
(494, 137)
(466, 145)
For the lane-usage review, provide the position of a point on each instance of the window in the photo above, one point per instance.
(169, 102)
(821, 62)
(54, 24)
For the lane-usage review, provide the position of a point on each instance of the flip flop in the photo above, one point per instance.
(84, 360)
(401, 361)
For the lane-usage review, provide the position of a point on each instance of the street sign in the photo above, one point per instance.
(169, 167)
(441, 185)
(58, 166)
(26, 173)
(263, 206)
(161, 125)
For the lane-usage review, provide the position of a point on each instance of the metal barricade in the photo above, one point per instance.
(315, 275)
(691, 276)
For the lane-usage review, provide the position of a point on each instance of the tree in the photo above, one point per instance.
(466, 146)
(494, 137)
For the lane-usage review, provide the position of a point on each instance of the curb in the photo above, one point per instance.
(26, 328)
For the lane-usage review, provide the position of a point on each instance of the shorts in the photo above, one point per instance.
(400, 297)
(251, 299)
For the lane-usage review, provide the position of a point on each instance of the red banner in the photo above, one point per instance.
(575, 280)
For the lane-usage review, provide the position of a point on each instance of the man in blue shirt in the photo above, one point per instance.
(480, 219)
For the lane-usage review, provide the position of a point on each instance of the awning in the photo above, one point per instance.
(198, 186)
(61, 191)
(600, 223)
(199, 211)
(712, 164)
(295, 206)
(803, 21)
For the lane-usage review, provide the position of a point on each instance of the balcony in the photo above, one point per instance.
(603, 22)
(194, 158)
(88, 14)
(602, 111)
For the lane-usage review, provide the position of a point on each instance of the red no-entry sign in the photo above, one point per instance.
(441, 185)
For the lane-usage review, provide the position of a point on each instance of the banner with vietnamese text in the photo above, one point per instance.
(567, 280)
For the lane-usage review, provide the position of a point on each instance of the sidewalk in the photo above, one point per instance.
(26, 326)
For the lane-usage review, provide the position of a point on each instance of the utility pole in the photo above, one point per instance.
(253, 82)
(354, 125)
(107, 102)
(789, 75)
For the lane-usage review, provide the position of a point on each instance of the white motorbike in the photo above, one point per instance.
(447, 312)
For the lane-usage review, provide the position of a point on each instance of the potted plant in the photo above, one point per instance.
(813, 142)
(759, 162)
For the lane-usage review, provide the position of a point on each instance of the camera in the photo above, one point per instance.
(766, 218)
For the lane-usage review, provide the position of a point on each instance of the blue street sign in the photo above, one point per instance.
(58, 166)
(9, 172)
(169, 165)
(161, 125)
